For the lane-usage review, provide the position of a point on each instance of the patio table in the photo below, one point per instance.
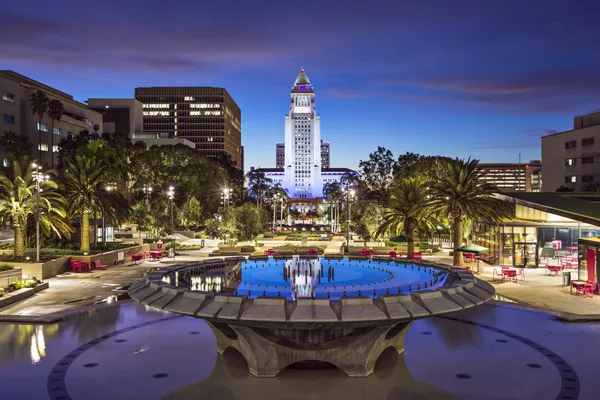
(510, 274)
(155, 255)
(581, 286)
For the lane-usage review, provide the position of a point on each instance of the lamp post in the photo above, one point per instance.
(108, 189)
(349, 194)
(275, 199)
(147, 191)
(281, 214)
(38, 177)
(171, 197)
(226, 196)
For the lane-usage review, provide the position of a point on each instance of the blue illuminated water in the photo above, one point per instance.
(319, 278)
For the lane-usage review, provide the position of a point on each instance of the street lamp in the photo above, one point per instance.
(38, 177)
(108, 188)
(349, 194)
(226, 196)
(148, 191)
(275, 198)
(171, 197)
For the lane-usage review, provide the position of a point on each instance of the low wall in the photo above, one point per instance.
(21, 294)
(43, 270)
(7, 277)
(115, 257)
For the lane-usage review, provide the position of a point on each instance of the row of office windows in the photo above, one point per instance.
(584, 160)
(571, 144)
(574, 178)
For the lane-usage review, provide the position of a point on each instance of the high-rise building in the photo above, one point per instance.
(206, 116)
(571, 158)
(513, 177)
(18, 117)
(302, 162)
(325, 155)
(280, 155)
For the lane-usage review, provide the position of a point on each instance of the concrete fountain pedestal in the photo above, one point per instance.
(273, 333)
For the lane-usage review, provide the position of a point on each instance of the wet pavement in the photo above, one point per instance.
(130, 351)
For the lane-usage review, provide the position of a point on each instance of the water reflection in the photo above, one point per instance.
(20, 341)
(297, 277)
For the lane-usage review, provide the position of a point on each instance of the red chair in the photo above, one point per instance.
(312, 252)
(393, 254)
(76, 266)
(99, 265)
(147, 255)
(588, 289)
(137, 258)
(365, 252)
(417, 256)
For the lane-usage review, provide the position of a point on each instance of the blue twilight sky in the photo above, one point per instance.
(481, 78)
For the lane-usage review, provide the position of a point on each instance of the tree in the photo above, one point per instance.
(368, 216)
(55, 112)
(564, 189)
(39, 104)
(250, 221)
(84, 178)
(376, 174)
(16, 144)
(592, 187)
(460, 192)
(18, 202)
(410, 209)
(258, 185)
(191, 213)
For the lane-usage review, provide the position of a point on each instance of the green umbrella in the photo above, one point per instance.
(473, 248)
(401, 239)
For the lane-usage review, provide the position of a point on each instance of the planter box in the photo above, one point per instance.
(7, 277)
(21, 294)
(115, 257)
(43, 270)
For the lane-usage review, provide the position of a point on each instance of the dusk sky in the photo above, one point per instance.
(480, 78)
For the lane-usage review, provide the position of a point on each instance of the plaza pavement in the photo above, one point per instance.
(75, 291)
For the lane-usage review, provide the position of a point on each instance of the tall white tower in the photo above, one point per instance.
(303, 143)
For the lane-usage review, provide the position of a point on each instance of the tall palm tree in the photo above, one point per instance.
(258, 185)
(39, 104)
(18, 203)
(410, 208)
(84, 179)
(461, 193)
(55, 111)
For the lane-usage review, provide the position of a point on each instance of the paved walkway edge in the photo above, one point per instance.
(59, 316)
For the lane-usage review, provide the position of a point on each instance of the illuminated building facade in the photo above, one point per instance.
(206, 116)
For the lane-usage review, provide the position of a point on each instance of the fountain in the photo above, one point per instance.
(278, 312)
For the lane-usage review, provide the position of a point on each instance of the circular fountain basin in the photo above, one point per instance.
(278, 312)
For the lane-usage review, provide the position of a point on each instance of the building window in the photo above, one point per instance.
(42, 127)
(43, 146)
(571, 144)
(188, 98)
(56, 131)
(587, 178)
(8, 119)
(55, 149)
(571, 161)
(587, 160)
(8, 97)
(570, 179)
(587, 141)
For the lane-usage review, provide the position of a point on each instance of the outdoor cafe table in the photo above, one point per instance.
(510, 274)
(580, 286)
(156, 255)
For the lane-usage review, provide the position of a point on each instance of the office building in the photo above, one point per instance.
(571, 158)
(126, 116)
(303, 160)
(206, 116)
(280, 155)
(17, 114)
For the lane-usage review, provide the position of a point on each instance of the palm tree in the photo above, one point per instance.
(84, 179)
(18, 203)
(39, 104)
(410, 208)
(461, 193)
(258, 185)
(55, 111)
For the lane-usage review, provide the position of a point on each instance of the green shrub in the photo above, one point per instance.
(268, 235)
(6, 267)
(248, 249)
(187, 246)
(16, 285)
(200, 235)
(128, 229)
(1, 292)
